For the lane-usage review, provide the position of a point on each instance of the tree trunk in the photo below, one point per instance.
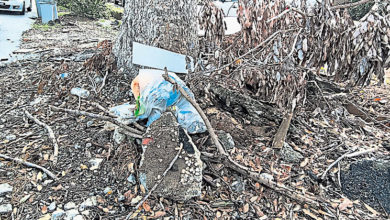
(167, 24)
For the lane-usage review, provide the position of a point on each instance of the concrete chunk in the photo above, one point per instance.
(160, 145)
(5, 188)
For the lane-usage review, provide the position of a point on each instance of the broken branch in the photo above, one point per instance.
(348, 155)
(17, 160)
(130, 131)
(282, 132)
(51, 134)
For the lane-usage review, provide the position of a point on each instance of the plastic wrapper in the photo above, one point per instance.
(154, 96)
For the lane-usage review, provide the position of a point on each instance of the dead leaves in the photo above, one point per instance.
(345, 203)
(146, 207)
(211, 21)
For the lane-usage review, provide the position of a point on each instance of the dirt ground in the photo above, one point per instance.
(324, 128)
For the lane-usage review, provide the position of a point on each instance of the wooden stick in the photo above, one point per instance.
(282, 132)
(350, 4)
(310, 199)
(51, 134)
(131, 131)
(130, 215)
(17, 160)
(229, 162)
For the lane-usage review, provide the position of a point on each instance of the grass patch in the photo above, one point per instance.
(114, 8)
(45, 27)
(114, 11)
(63, 13)
(62, 8)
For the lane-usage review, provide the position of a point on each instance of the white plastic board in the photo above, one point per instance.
(154, 57)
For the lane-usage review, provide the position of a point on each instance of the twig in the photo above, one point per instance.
(157, 183)
(103, 109)
(103, 83)
(334, 163)
(229, 162)
(358, 153)
(310, 199)
(24, 137)
(348, 155)
(250, 51)
(285, 12)
(17, 160)
(350, 4)
(293, 47)
(93, 86)
(322, 94)
(10, 109)
(51, 134)
(131, 131)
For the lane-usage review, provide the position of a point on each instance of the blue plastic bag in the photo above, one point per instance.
(157, 95)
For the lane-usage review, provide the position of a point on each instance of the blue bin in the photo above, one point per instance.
(47, 10)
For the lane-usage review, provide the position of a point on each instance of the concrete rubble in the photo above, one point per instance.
(160, 145)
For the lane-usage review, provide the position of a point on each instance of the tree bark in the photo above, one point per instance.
(167, 24)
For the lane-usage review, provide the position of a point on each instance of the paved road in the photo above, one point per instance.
(12, 27)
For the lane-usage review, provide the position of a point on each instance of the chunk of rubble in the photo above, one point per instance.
(4, 209)
(5, 188)
(289, 155)
(160, 146)
(90, 202)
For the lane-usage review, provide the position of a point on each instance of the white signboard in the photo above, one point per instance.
(154, 57)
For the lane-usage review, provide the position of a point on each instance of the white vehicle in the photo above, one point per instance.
(19, 6)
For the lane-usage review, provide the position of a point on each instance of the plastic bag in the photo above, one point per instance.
(154, 96)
